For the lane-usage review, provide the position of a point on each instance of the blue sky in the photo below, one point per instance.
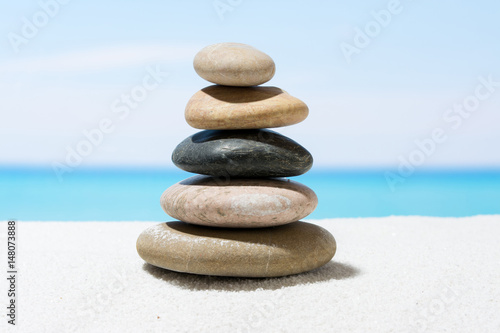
(367, 112)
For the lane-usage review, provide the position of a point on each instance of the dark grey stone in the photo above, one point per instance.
(242, 153)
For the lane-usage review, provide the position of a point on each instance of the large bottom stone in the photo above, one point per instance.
(265, 252)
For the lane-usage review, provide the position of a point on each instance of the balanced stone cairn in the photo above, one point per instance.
(240, 217)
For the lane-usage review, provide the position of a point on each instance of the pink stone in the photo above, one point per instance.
(240, 203)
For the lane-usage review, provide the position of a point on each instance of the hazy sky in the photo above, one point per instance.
(377, 76)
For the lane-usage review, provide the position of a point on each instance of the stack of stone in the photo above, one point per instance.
(240, 217)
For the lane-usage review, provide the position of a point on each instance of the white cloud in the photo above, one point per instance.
(102, 59)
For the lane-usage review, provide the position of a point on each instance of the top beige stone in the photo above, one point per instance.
(234, 64)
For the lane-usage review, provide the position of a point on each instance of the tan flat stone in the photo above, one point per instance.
(234, 64)
(221, 107)
(266, 252)
(238, 203)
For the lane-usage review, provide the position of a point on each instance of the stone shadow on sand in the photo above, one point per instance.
(331, 271)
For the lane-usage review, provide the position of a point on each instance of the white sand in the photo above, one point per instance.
(397, 274)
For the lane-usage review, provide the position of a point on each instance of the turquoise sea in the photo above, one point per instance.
(134, 194)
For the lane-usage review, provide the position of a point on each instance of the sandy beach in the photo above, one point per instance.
(394, 274)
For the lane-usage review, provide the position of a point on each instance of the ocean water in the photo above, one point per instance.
(134, 194)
